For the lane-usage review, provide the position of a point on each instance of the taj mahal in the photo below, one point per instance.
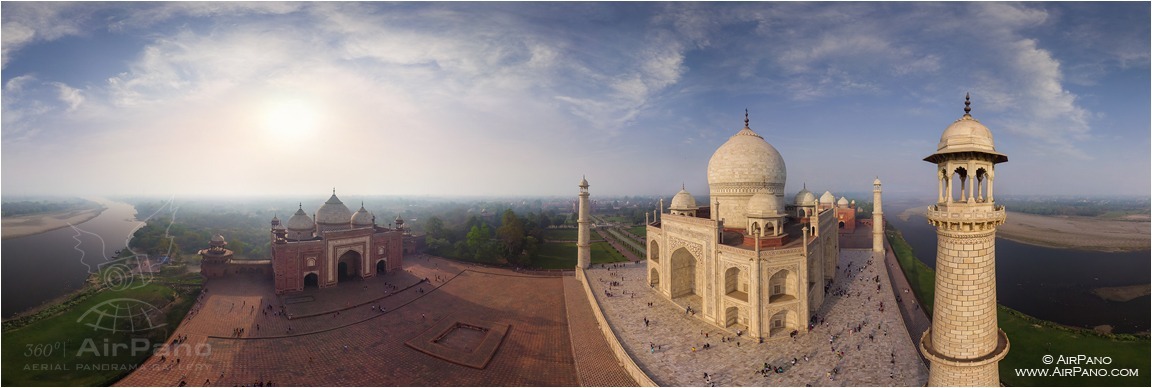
(749, 260)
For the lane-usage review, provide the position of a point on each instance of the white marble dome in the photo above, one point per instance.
(333, 212)
(843, 202)
(745, 162)
(967, 135)
(683, 201)
(804, 197)
(362, 217)
(765, 205)
(300, 221)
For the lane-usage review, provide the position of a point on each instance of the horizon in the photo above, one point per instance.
(496, 100)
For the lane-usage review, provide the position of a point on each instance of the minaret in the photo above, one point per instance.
(877, 220)
(964, 345)
(583, 250)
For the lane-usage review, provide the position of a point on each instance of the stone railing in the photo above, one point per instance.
(689, 219)
(622, 355)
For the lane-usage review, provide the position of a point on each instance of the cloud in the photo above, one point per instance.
(69, 95)
(24, 23)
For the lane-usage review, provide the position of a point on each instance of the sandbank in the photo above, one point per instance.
(1069, 232)
(27, 225)
(1123, 293)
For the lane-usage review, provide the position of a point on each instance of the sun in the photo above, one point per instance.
(289, 119)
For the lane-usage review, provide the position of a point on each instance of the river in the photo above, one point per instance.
(1051, 283)
(41, 267)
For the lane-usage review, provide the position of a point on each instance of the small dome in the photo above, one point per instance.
(804, 197)
(843, 202)
(877, 181)
(745, 159)
(683, 201)
(218, 239)
(583, 182)
(966, 135)
(300, 221)
(333, 212)
(764, 205)
(278, 227)
(362, 217)
(827, 198)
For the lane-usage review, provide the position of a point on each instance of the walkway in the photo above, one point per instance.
(340, 336)
(879, 355)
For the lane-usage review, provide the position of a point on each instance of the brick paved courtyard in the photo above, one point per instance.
(887, 358)
(355, 334)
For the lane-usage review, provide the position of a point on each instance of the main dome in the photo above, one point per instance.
(746, 161)
(333, 212)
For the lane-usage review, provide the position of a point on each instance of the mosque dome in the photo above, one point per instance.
(218, 239)
(300, 221)
(764, 204)
(843, 202)
(278, 227)
(683, 201)
(966, 135)
(333, 212)
(805, 197)
(362, 217)
(745, 161)
(827, 198)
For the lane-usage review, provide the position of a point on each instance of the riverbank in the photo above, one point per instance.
(27, 225)
(1033, 339)
(1123, 293)
(1069, 232)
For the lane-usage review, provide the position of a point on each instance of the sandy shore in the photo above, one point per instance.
(1123, 293)
(20, 226)
(1077, 232)
(1088, 233)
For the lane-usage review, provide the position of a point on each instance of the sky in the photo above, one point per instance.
(252, 99)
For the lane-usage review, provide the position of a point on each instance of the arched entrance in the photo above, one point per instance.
(841, 224)
(654, 251)
(311, 280)
(654, 278)
(782, 286)
(782, 323)
(734, 285)
(349, 265)
(731, 316)
(381, 266)
(683, 273)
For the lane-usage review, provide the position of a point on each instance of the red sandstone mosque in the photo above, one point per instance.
(335, 246)
(332, 246)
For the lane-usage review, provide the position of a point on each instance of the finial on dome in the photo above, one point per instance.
(967, 104)
(300, 205)
(682, 186)
(333, 191)
(746, 118)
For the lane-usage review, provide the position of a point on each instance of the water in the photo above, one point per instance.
(45, 266)
(1050, 283)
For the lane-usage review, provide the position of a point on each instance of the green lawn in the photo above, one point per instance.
(68, 346)
(1031, 339)
(562, 234)
(641, 230)
(563, 255)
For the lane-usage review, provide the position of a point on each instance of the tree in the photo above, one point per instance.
(511, 234)
(434, 227)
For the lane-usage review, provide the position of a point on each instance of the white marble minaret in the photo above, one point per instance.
(877, 219)
(965, 343)
(583, 249)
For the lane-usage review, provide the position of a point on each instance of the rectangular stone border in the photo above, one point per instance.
(622, 356)
(478, 358)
